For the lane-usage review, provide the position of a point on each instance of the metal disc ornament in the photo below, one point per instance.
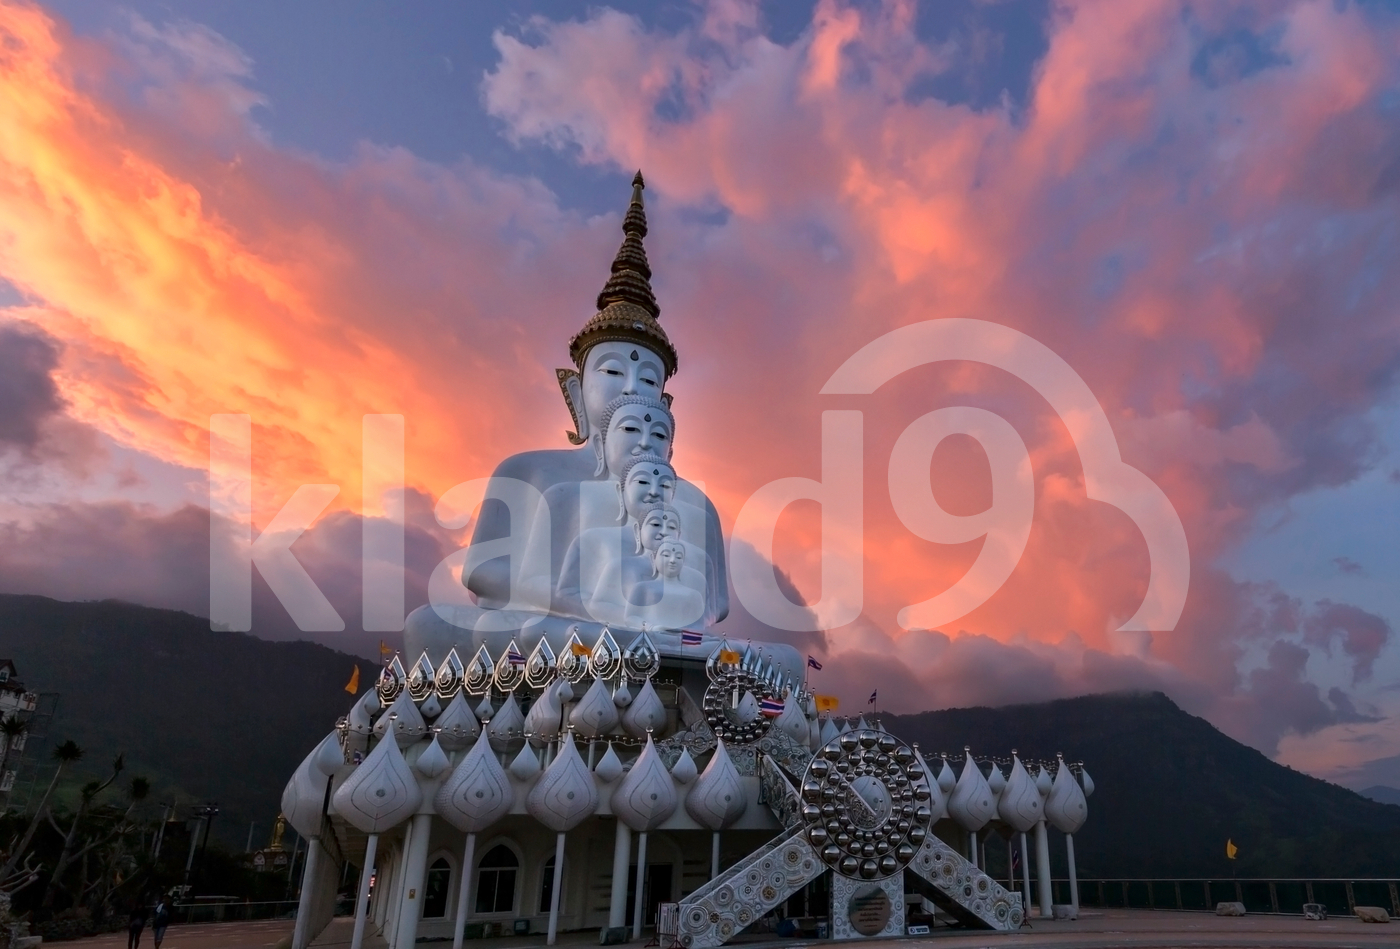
(865, 801)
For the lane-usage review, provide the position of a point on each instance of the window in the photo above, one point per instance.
(547, 887)
(4, 673)
(435, 889)
(495, 881)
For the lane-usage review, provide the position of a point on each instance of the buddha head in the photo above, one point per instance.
(659, 524)
(668, 559)
(622, 349)
(633, 426)
(646, 481)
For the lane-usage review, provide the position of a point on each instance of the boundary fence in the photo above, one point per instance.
(211, 912)
(1283, 896)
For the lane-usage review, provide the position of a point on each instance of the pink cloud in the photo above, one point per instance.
(1204, 241)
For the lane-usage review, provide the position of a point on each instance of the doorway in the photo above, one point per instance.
(655, 891)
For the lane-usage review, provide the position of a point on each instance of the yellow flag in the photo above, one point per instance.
(729, 656)
(827, 703)
(1231, 849)
(384, 649)
(353, 686)
(579, 649)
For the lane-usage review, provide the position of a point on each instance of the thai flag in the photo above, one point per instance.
(813, 664)
(871, 700)
(770, 708)
(691, 639)
(514, 658)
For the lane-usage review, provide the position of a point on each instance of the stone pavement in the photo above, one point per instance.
(258, 934)
(1109, 929)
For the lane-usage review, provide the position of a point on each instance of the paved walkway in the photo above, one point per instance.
(1111, 929)
(260, 934)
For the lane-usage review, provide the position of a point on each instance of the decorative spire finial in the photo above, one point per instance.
(627, 307)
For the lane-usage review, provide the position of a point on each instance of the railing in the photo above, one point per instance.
(198, 912)
(1284, 896)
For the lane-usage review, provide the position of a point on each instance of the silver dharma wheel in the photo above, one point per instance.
(865, 800)
(731, 707)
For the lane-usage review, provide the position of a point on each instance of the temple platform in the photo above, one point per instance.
(1108, 929)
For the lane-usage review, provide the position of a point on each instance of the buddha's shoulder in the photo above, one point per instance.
(547, 467)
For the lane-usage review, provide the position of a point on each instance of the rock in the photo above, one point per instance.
(1229, 909)
(1065, 911)
(1372, 914)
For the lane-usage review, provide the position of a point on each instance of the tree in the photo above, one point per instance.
(65, 754)
(67, 855)
(12, 728)
(111, 848)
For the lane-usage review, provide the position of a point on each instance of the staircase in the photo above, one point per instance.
(720, 909)
(727, 904)
(964, 892)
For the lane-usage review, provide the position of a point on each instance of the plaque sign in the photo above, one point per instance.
(869, 910)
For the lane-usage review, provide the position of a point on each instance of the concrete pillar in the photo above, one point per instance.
(622, 858)
(556, 894)
(714, 856)
(464, 890)
(1025, 877)
(415, 865)
(357, 939)
(637, 914)
(308, 886)
(972, 847)
(1073, 876)
(1042, 870)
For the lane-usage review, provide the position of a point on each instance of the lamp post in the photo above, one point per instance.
(208, 811)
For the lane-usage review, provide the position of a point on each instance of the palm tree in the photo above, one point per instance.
(65, 754)
(12, 729)
(67, 855)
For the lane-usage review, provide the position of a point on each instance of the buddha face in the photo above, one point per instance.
(658, 525)
(648, 486)
(612, 369)
(636, 429)
(669, 559)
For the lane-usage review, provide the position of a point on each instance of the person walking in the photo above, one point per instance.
(160, 918)
(135, 923)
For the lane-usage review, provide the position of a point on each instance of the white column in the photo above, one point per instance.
(641, 883)
(308, 883)
(1073, 876)
(714, 856)
(1025, 877)
(362, 902)
(415, 865)
(554, 895)
(972, 846)
(622, 858)
(1042, 870)
(464, 889)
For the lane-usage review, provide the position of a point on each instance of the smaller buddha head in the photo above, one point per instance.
(668, 559)
(658, 524)
(647, 480)
(633, 425)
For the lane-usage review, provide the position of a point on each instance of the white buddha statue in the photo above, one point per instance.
(623, 359)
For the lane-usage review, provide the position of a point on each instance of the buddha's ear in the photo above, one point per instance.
(666, 397)
(571, 386)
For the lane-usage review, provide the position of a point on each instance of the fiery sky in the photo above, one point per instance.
(1194, 204)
